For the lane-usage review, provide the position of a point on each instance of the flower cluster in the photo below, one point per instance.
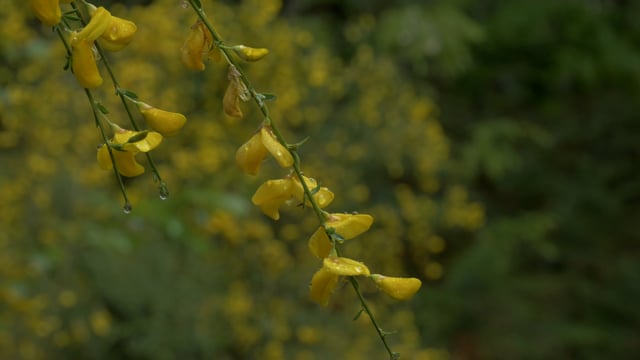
(85, 45)
(294, 188)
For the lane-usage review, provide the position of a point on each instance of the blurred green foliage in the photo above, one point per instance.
(514, 199)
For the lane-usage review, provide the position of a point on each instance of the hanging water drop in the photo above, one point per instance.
(127, 208)
(164, 193)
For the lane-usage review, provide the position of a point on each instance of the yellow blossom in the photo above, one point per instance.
(271, 195)
(323, 283)
(248, 53)
(250, 155)
(349, 226)
(125, 161)
(196, 45)
(345, 266)
(165, 122)
(99, 23)
(83, 63)
(320, 244)
(142, 141)
(118, 34)
(397, 287)
(322, 195)
(47, 11)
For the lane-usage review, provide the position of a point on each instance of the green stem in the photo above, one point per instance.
(95, 110)
(123, 99)
(320, 214)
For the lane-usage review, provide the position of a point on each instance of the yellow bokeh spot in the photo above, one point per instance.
(433, 270)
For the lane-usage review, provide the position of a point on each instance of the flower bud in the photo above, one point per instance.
(47, 11)
(323, 284)
(397, 287)
(165, 122)
(83, 63)
(248, 53)
(345, 266)
(322, 196)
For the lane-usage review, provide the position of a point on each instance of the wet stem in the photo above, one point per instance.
(320, 214)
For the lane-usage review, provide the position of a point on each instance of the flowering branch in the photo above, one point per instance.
(333, 229)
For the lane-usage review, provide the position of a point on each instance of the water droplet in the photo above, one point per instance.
(184, 4)
(164, 193)
(127, 208)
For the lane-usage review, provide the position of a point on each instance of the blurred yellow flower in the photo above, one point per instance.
(398, 288)
(349, 226)
(165, 122)
(231, 99)
(47, 11)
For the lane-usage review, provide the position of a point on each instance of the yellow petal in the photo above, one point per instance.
(323, 284)
(322, 196)
(47, 11)
(345, 266)
(271, 195)
(83, 63)
(319, 243)
(397, 287)
(277, 150)
(349, 226)
(250, 54)
(196, 46)
(125, 162)
(165, 122)
(250, 155)
(100, 20)
(118, 34)
(135, 141)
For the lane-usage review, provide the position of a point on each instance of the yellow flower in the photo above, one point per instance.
(196, 45)
(349, 226)
(165, 122)
(397, 287)
(271, 195)
(99, 23)
(325, 280)
(125, 161)
(323, 283)
(124, 146)
(250, 155)
(320, 244)
(118, 34)
(322, 196)
(47, 11)
(248, 53)
(136, 141)
(83, 63)
(345, 266)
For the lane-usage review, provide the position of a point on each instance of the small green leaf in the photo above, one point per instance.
(101, 108)
(137, 137)
(130, 94)
(268, 97)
